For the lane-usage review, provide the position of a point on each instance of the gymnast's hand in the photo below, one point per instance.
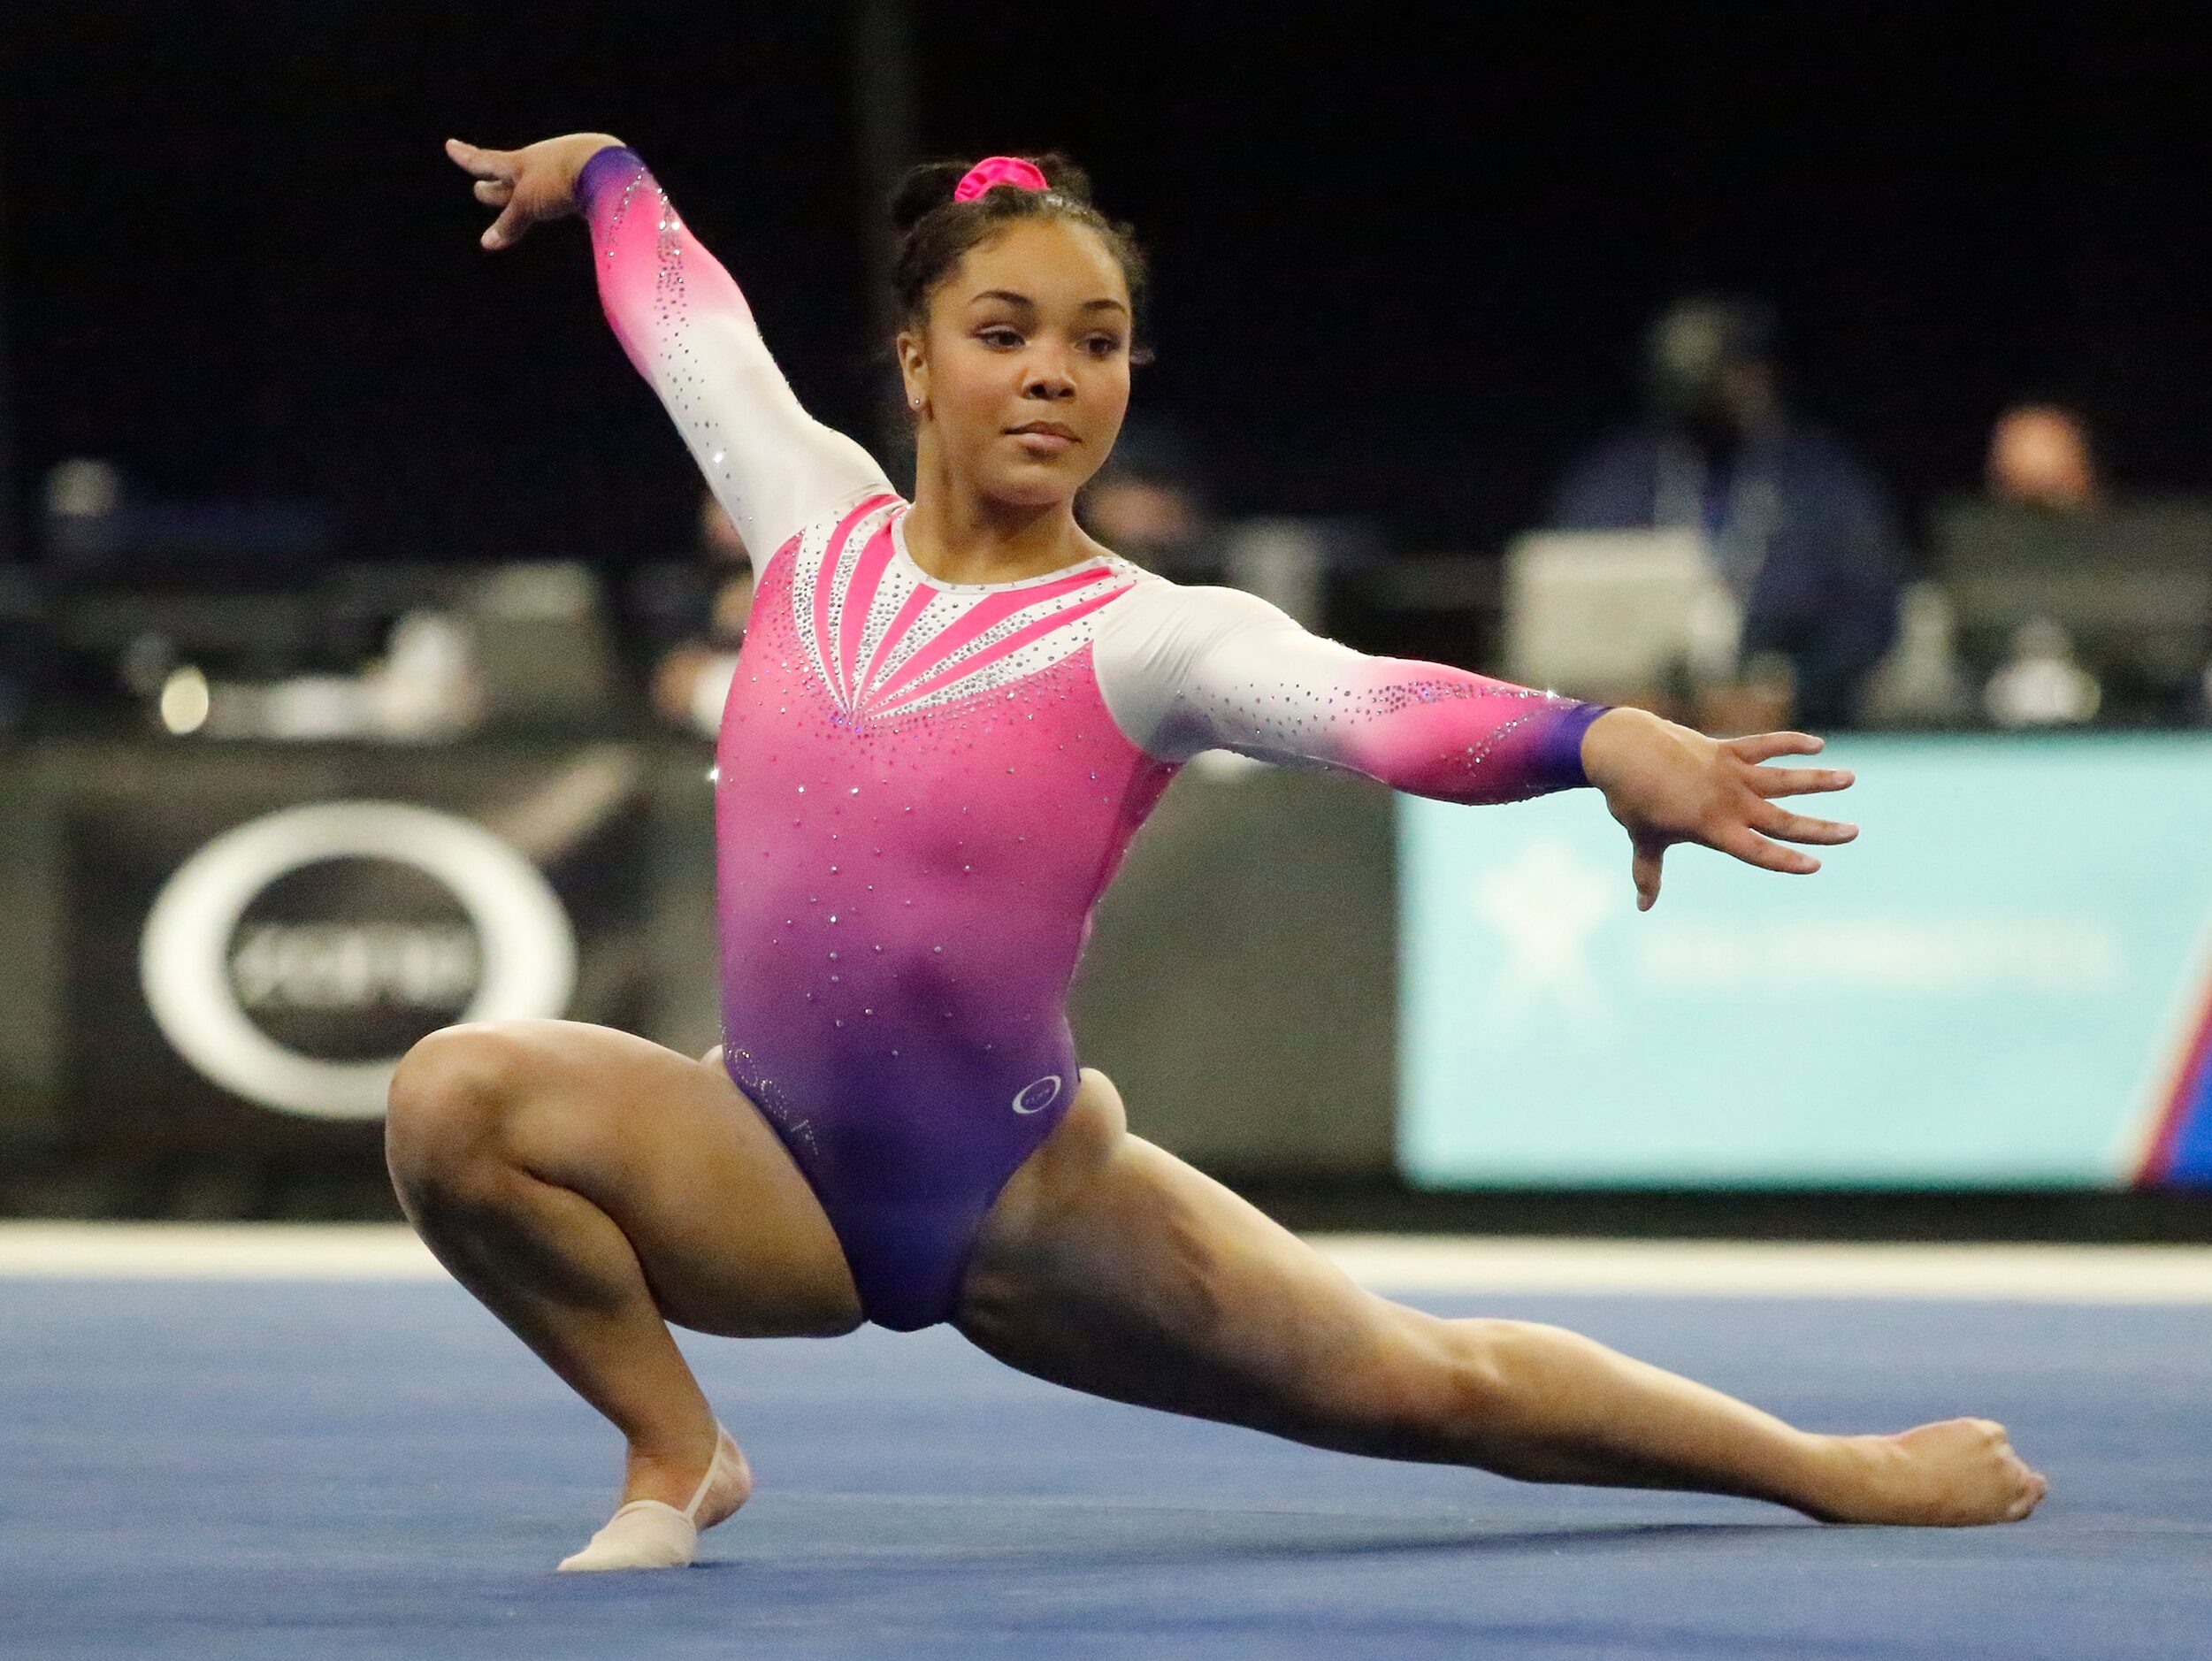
(1666, 784)
(536, 182)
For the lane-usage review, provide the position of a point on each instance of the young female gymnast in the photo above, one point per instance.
(949, 717)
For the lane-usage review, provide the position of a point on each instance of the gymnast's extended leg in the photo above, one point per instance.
(590, 1187)
(1110, 1266)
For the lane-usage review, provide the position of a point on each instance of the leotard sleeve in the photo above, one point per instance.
(685, 325)
(1185, 669)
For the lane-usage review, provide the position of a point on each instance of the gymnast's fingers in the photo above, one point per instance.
(1761, 746)
(1799, 781)
(1799, 827)
(1749, 845)
(1645, 868)
(483, 163)
(507, 230)
(495, 193)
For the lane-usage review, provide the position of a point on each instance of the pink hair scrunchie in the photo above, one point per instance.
(998, 170)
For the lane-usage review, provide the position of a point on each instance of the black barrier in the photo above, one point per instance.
(203, 939)
(1241, 987)
(253, 941)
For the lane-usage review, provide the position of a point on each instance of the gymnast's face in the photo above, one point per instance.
(1022, 369)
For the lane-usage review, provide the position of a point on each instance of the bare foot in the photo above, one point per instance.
(1953, 1473)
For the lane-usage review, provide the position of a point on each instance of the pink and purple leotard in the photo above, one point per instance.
(923, 787)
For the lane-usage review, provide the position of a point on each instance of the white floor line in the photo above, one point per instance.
(2031, 1274)
(2025, 1273)
(214, 1252)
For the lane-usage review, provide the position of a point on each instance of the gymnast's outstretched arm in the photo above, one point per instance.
(1186, 670)
(685, 324)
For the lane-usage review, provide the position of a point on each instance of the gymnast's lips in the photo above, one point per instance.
(1057, 436)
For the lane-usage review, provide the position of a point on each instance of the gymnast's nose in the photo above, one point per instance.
(1048, 378)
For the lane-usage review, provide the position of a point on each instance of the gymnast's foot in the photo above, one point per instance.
(1955, 1473)
(653, 1533)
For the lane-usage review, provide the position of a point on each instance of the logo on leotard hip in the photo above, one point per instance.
(1038, 1095)
(245, 1000)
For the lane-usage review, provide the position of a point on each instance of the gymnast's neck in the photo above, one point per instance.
(957, 534)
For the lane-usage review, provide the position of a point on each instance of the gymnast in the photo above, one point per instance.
(949, 717)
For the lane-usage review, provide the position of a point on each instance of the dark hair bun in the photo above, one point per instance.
(926, 187)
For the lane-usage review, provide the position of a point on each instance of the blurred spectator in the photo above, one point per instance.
(1800, 531)
(692, 680)
(2039, 456)
(1147, 505)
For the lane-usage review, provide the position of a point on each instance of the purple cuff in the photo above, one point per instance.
(615, 163)
(1558, 759)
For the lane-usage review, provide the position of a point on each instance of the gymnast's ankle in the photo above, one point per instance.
(668, 1467)
(648, 1532)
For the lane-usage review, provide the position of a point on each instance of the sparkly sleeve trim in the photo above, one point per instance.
(1185, 669)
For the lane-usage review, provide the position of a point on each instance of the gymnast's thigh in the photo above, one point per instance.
(1109, 1266)
(731, 1239)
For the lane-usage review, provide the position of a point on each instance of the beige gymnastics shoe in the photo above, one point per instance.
(649, 1533)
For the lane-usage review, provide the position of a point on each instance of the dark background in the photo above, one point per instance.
(1403, 252)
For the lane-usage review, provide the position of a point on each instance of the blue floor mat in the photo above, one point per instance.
(257, 1470)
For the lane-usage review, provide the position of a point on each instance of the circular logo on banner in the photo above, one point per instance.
(292, 958)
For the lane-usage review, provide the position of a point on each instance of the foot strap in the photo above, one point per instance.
(650, 1534)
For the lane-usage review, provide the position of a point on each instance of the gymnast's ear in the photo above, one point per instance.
(913, 366)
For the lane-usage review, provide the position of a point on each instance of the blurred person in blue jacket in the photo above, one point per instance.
(1800, 529)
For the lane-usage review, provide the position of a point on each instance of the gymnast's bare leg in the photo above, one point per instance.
(1111, 1267)
(589, 1187)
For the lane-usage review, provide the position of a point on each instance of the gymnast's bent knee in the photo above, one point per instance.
(450, 1098)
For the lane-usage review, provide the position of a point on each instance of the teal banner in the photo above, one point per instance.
(2005, 982)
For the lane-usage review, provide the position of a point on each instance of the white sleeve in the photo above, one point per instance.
(1185, 669)
(685, 325)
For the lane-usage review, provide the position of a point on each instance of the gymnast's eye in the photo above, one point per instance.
(1000, 336)
(1103, 345)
